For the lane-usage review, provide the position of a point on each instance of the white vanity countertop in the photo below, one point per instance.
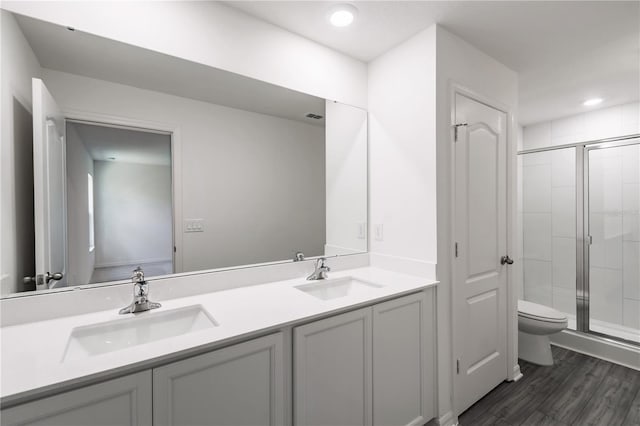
(32, 353)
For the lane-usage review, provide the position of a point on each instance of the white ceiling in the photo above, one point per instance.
(124, 145)
(84, 54)
(564, 51)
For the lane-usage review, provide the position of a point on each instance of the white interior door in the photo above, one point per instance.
(480, 233)
(49, 188)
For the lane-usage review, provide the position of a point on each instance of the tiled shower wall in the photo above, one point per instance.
(549, 228)
(547, 207)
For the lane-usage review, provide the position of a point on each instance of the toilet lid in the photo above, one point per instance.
(539, 312)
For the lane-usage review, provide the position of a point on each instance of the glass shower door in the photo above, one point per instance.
(612, 230)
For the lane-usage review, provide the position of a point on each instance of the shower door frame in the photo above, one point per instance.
(583, 239)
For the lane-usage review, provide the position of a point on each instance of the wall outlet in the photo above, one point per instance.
(362, 230)
(194, 225)
(378, 231)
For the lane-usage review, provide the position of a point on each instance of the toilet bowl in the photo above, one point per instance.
(535, 324)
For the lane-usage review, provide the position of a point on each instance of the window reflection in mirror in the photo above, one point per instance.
(193, 168)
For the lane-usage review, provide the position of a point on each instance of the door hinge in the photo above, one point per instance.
(175, 249)
(457, 366)
(455, 130)
(456, 249)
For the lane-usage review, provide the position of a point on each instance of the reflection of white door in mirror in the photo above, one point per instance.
(49, 189)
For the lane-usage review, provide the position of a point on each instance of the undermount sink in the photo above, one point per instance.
(146, 327)
(339, 287)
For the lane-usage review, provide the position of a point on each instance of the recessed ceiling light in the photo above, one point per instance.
(592, 102)
(342, 15)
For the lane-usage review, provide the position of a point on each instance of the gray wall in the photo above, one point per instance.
(132, 213)
(23, 172)
(258, 181)
(79, 164)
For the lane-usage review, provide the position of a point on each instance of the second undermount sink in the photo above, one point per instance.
(147, 327)
(338, 287)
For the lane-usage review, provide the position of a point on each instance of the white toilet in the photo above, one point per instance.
(535, 324)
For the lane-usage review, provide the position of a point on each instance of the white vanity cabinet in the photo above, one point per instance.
(332, 370)
(239, 385)
(404, 361)
(122, 401)
(370, 366)
(373, 366)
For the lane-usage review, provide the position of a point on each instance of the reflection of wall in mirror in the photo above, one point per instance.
(132, 214)
(16, 140)
(254, 179)
(79, 164)
(346, 145)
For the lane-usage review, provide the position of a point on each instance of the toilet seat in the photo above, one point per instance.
(538, 312)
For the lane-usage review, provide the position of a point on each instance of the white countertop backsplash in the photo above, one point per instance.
(32, 352)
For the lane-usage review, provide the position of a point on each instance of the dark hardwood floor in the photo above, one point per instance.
(578, 390)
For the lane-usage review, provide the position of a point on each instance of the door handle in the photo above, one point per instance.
(57, 276)
(506, 260)
(43, 279)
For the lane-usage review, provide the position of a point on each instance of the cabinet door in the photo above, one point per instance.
(123, 401)
(403, 361)
(239, 385)
(332, 375)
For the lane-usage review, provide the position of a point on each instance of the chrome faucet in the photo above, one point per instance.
(321, 270)
(140, 302)
(298, 256)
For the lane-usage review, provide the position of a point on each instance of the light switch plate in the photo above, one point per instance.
(193, 225)
(379, 232)
(362, 231)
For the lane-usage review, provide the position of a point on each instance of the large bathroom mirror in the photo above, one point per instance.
(115, 157)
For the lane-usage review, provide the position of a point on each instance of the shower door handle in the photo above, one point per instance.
(506, 260)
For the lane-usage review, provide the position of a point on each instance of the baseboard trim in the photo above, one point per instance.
(446, 419)
(516, 374)
(608, 350)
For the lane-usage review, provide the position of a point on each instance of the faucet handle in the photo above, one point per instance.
(321, 264)
(138, 275)
(320, 272)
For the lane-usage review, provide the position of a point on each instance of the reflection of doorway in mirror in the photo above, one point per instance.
(120, 208)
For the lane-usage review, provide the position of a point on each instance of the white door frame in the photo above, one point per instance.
(176, 164)
(512, 369)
